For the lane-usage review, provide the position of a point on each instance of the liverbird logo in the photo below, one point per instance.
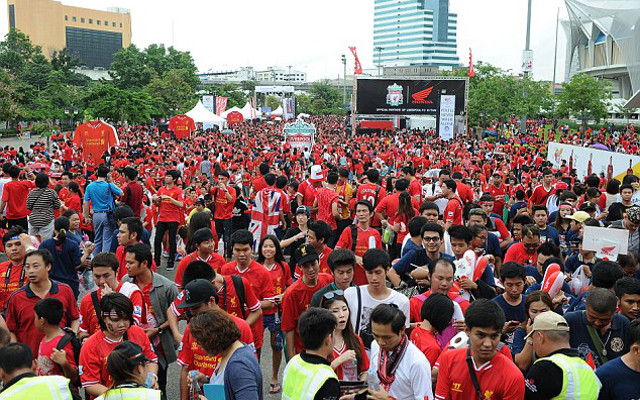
(394, 95)
(421, 96)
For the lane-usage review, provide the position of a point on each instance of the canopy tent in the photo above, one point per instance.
(95, 137)
(249, 112)
(199, 113)
(277, 112)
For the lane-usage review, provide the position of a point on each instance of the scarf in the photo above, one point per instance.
(388, 363)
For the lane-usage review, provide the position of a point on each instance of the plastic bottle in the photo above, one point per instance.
(350, 370)
(194, 386)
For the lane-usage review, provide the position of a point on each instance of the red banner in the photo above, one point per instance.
(235, 117)
(182, 126)
(95, 137)
(472, 73)
(358, 66)
(221, 104)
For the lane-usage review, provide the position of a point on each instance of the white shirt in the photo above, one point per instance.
(369, 303)
(413, 376)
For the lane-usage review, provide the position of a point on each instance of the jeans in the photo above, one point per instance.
(161, 229)
(103, 226)
(223, 229)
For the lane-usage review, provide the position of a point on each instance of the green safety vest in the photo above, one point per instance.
(579, 382)
(302, 380)
(40, 388)
(140, 393)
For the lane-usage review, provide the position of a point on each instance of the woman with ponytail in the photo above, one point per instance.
(66, 255)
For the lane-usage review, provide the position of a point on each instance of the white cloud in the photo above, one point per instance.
(312, 35)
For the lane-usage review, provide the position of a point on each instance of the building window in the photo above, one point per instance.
(74, 19)
(12, 16)
(95, 48)
(106, 23)
(90, 21)
(98, 21)
(82, 20)
(114, 24)
(66, 17)
(120, 24)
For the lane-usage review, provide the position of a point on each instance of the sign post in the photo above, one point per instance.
(446, 114)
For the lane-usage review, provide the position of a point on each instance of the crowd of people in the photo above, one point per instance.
(389, 265)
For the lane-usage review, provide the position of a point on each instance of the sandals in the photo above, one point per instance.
(274, 388)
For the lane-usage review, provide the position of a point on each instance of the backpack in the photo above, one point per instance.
(70, 337)
(239, 286)
(354, 237)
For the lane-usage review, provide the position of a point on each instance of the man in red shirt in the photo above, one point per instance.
(132, 191)
(372, 192)
(225, 197)
(326, 203)
(259, 183)
(14, 199)
(68, 156)
(366, 238)
(388, 207)
(204, 244)
(542, 192)
(497, 376)
(318, 235)
(415, 189)
(200, 297)
(525, 252)
(298, 297)
(256, 274)
(12, 272)
(498, 190)
(453, 211)
(170, 201)
(104, 267)
(464, 192)
(308, 189)
(129, 232)
(20, 321)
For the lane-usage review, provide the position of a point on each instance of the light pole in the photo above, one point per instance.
(555, 55)
(344, 80)
(525, 73)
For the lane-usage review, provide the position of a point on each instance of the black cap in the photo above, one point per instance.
(199, 200)
(303, 210)
(202, 235)
(588, 206)
(132, 351)
(306, 253)
(197, 292)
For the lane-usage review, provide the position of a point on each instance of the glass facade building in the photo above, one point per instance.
(414, 32)
(95, 48)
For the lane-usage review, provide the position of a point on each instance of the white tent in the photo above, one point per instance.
(199, 113)
(229, 111)
(277, 112)
(248, 114)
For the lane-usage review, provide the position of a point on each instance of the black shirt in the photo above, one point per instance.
(544, 379)
(331, 388)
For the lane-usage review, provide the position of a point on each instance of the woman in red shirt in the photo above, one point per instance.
(348, 359)
(400, 221)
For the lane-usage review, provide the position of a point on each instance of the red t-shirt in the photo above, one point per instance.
(426, 341)
(416, 302)
(389, 205)
(280, 278)
(94, 137)
(68, 154)
(182, 126)
(96, 349)
(540, 195)
(16, 279)
(415, 190)
(519, 254)
(169, 212)
(296, 301)
(337, 352)
(453, 211)
(15, 195)
(121, 254)
(258, 184)
(20, 312)
(373, 194)
(324, 265)
(44, 365)
(499, 378)
(215, 260)
(88, 318)
(191, 356)
(308, 192)
(224, 207)
(326, 197)
(363, 244)
(498, 194)
(464, 192)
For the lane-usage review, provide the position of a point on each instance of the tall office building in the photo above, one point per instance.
(414, 32)
(92, 36)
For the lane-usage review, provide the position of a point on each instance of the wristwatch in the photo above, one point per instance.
(529, 341)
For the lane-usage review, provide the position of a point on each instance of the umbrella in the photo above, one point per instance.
(599, 146)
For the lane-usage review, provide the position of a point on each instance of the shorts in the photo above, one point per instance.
(269, 322)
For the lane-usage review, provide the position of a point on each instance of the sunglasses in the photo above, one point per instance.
(332, 294)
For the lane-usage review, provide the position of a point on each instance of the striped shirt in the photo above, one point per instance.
(42, 202)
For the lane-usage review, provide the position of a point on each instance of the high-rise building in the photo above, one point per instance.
(414, 32)
(92, 36)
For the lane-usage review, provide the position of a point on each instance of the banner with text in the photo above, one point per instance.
(446, 116)
(221, 104)
(300, 134)
(208, 102)
(588, 161)
(288, 108)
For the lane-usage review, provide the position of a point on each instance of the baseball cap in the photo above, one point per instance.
(303, 210)
(549, 321)
(580, 216)
(197, 292)
(316, 173)
(587, 206)
(306, 253)
(132, 351)
(200, 200)
(633, 214)
(201, 235)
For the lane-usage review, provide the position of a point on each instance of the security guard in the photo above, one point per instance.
(559, 373)
(20, 382)
(309, 375)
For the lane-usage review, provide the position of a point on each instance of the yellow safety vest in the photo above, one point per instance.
(579, 382)
(131, 394)
(302, 380)
(39, 387)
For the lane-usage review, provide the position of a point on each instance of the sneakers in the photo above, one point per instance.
(165, 254)
(170, 267)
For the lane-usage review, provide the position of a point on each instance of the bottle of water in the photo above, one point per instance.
(350, 370)
(194, 386)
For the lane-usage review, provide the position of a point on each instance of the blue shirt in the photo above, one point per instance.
(410, 246)
(549, 234)
(615, 340)
(65, 261)
(511, 313)
(619, 382)
(101, 193)
(242, 376)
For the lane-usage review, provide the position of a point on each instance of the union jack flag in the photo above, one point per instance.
(265, 214)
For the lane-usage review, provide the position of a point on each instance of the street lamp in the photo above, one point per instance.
(525, 73)
(344, 80)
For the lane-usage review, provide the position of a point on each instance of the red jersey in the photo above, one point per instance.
(326, 198)
(324, 265)
(169, 212)
(95, 137)
(296, 301)
(366, 239)
(453, 211)
(12, 278)
(416, 302)
(96, 349)
(224, 207)
(499, 194)
(464, 192)
(258, 184)
(15, 193)
(518, 253)
(426, 341)
(499, 378)
(337, 352)
(415, 190)
(88, 318)
(308, 193)
(373, 194)
(191, 356)
(540, 195)
(281, 279)
(20, 319)
(182, 126)
(389, 205)
(44, 365)
(215, 260)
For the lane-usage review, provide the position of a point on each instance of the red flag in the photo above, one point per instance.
(358, 68)
(221, 104)
(471, 71)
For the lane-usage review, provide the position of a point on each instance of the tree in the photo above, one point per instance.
(16, 51)
(129, 70)
(171, 93)
(9, 99)
(584, 97)
(325, 99)
(273, 102)
(104, 100)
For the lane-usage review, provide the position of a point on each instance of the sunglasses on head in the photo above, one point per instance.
(332, 294)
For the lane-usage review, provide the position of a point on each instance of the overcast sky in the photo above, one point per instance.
(312, 35)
